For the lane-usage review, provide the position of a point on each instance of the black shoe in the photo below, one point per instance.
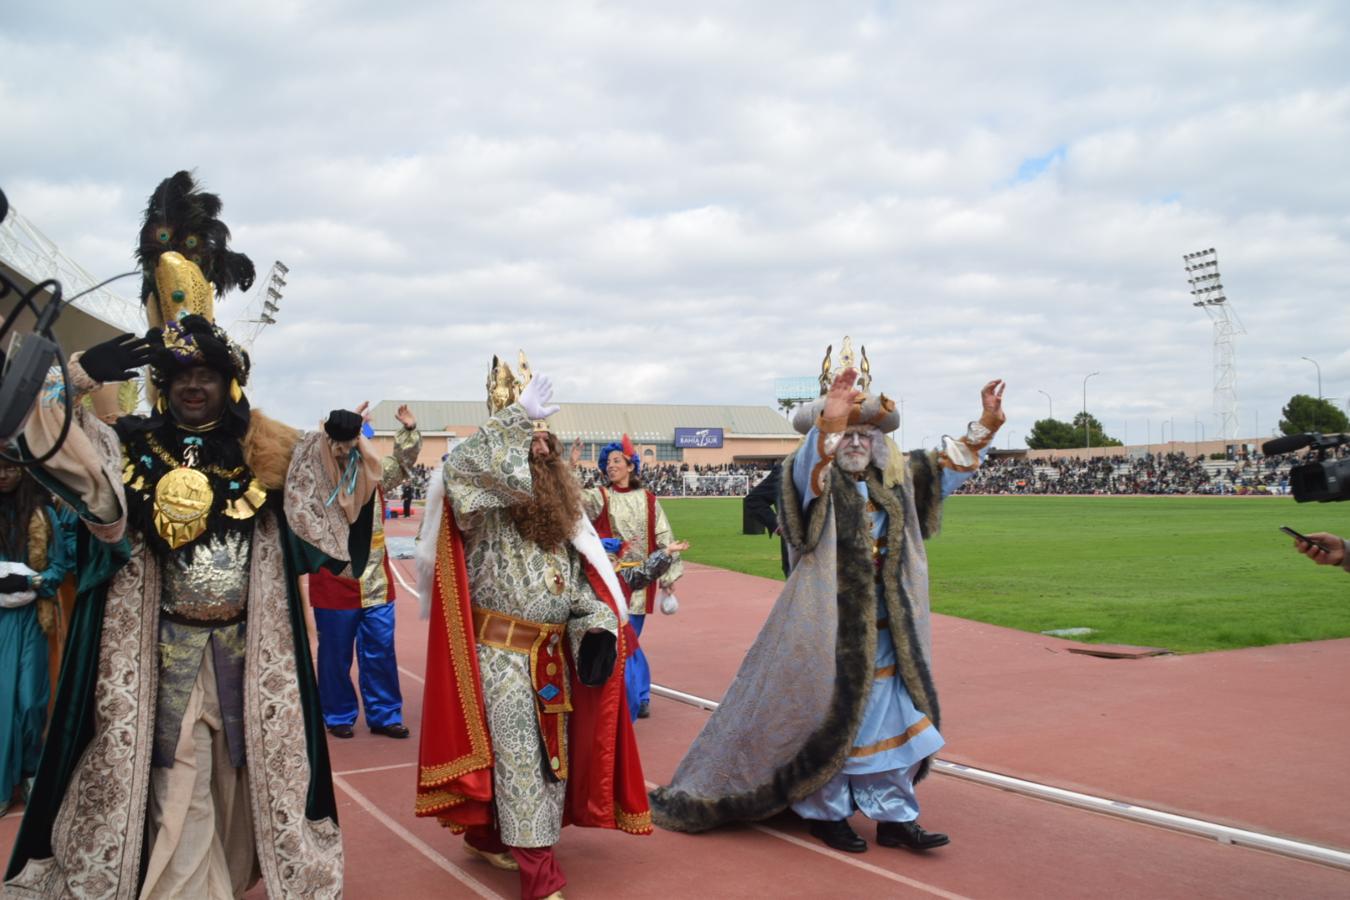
(838, 835)
(644, 710)
(397, 730)
(340, 731)
(909, 835)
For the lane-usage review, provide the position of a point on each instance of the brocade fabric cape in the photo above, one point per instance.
(786, 724)
(498, 570)
(84, 831)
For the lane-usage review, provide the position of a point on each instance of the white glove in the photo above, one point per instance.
(536, 396)
(19, 598)
(669, 605)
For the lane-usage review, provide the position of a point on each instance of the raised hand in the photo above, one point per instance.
(574, 455)
(405, 417)
(537, 397)
(841, 395)
(991, 398)
(116, 359)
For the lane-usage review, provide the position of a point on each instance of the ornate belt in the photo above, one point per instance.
(542, 642)
(509, 633)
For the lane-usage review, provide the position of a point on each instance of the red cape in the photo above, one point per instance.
(605, 787)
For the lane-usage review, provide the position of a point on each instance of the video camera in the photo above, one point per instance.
(1321, 479)
(23, 368)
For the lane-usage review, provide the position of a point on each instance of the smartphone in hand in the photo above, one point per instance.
(1304, 538)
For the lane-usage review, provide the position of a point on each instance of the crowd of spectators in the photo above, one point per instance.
(1150, 473)
(684, 480)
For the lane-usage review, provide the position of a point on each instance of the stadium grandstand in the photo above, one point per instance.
(686, 450)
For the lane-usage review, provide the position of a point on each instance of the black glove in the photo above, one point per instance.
(13, 584)
(342, 425)
(595, 661)
(116, 360)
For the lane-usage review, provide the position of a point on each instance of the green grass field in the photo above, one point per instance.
(1187, 573)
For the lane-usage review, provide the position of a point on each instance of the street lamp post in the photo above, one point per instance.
(1319, 387)
(1087, 426)
(1050, 403)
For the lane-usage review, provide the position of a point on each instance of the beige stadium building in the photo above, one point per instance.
(661, 433)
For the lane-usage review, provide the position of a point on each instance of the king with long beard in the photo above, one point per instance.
(524, 723)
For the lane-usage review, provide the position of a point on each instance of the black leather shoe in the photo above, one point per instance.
(838, 835)
(340, 731)
(909, 835)
(644, 710)
(397, 730)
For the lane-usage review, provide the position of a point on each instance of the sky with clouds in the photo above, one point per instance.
(683, 202)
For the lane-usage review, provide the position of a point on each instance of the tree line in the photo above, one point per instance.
(1301, 414)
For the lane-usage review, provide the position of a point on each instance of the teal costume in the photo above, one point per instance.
(24, 682)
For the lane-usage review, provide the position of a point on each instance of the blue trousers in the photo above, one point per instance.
(881, 796)
(637, 676)
(371, 630)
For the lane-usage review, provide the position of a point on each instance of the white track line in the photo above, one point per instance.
(859, 864)
(405, 765)
(848, 859)
(412, 590)
(417, 843)
(1224, 834)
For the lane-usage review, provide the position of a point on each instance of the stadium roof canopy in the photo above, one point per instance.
(28, 257)
(655, 422)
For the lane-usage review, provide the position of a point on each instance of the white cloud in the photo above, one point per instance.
(680, 203)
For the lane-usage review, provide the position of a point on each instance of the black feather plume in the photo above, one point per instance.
(181, 217)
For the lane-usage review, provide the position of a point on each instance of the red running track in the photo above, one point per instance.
(1254, 738)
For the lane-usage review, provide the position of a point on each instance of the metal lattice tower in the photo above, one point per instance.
(1202, 267)
(262, 306)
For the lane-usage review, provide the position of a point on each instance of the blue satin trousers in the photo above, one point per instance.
(371, 631)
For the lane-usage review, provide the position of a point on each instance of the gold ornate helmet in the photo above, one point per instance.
(878, 411)
(504, 386)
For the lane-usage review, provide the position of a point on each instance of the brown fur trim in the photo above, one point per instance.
(267, 449)
(925, 478)
(914, 672)
(802, 535)
(825, 749)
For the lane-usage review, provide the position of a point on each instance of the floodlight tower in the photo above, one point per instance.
(1202, 269)
(262, 309)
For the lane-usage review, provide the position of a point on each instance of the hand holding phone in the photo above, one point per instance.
(1304, 538)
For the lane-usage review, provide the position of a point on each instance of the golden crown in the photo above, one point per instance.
(846, 361)
(504, 386)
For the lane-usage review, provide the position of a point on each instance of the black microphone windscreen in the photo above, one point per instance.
(1286, 444)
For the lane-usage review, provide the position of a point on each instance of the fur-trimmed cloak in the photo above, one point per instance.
(788, 721)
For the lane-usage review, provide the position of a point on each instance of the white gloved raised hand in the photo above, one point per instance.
(536, 396)
(669, 605)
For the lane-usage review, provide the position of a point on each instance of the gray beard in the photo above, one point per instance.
(854, 465)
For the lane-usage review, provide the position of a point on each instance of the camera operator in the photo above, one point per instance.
(1338, 555)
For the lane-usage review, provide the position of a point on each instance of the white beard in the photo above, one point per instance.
(854, 463)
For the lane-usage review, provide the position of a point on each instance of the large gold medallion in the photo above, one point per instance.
(183, 501)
